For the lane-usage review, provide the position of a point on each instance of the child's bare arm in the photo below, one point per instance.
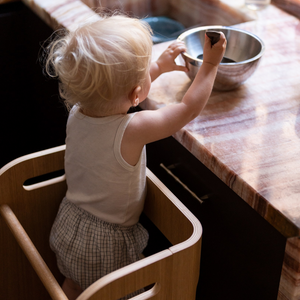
(198, 94)
(149, 126)
(166, 62)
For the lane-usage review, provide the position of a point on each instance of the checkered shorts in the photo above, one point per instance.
(88, 248)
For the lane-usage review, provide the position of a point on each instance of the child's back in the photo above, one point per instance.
(99, 179)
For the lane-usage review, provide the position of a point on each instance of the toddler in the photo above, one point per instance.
(104, 68)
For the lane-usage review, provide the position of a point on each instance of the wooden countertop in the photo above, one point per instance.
(250, 137)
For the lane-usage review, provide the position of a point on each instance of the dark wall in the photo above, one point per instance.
(33, 117)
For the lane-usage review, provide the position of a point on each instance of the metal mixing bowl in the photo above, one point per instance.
(241, 58)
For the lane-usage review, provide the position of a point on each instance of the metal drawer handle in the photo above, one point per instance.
(184, 185)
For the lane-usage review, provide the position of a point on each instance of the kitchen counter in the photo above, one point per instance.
(249, 137)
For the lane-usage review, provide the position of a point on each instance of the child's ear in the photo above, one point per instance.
(134, 96)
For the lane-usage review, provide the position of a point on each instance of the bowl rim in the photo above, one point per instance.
(201, 28)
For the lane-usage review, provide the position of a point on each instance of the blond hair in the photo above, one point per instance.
(102, 62)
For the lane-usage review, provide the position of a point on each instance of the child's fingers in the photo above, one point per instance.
(222, 38)
(167, 59)
(176, 48)
(180, 68)
(176, 43)
(220, 42)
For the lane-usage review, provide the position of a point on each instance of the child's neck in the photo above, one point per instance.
(99, 114)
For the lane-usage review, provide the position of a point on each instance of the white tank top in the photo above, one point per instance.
(99, 180)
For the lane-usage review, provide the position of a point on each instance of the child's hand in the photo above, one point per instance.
(214, 54)
(166, 62)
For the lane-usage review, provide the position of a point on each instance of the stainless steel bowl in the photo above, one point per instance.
(241, 58)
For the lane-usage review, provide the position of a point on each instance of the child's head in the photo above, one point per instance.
(101, 63)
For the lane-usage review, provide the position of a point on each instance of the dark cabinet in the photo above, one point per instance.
(242, 254)
(33, 117)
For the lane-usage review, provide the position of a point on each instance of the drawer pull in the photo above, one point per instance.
(182, 184)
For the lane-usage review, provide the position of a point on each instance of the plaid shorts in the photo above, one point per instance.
(88, 248)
